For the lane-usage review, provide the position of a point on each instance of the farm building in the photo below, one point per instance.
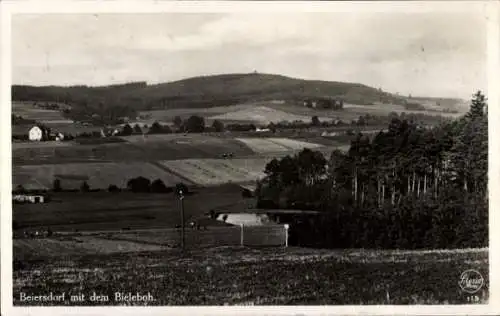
(249, 189)
(247, 219)
(36, 133)
(25, 198)
(262, 130)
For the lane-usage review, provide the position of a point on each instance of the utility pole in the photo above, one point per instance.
(181, 197)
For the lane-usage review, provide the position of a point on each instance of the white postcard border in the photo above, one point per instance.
(491, 10)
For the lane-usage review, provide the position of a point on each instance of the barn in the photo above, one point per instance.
(24, 198)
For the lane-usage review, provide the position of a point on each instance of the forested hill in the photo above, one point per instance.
(207, 91)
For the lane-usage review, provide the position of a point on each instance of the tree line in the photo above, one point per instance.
(137, 185)
(408, 187)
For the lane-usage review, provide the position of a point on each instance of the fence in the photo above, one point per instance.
(267, 235)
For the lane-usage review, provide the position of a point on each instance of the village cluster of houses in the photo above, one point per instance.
(42, 133)
(39, 133)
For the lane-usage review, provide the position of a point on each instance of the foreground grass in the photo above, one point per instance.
(229, 276)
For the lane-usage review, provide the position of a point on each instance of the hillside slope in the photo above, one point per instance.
(207, 91)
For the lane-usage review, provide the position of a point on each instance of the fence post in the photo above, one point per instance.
(286, 235)
(241, 235)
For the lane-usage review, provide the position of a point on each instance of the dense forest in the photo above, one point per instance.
(408, 187)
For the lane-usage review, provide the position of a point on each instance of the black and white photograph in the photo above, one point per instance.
(228, 157)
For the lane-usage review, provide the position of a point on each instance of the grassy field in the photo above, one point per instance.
(272, 145)
(110, 211)
(97, 175)
(49, 144)
(162, 147)
(245, 276)
(152, 148)
(265, 112)
(29, 111)
(262, 115)
(218, 171)
(168, 115)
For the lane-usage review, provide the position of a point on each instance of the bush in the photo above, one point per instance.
(157, 128)
(127, 130)
(113, 188)
(20, 189)
(158, 186)
(194, 124)
(139, 184)
(137, 129)
(315, 121)
(218, 126)
(85, 187)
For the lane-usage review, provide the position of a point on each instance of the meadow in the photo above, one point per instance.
(264, 112)
(263, 115)
(272, 145)
(29, 111)
(70, 211)
(218, 171)
(265, 276)
(137, 148)
(97, 175)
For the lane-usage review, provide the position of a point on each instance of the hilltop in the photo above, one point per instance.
(206, 91)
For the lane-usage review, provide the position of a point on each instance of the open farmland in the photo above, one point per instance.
(97, 175)
(272, 145)
(385, 109)
(137, 148)
(48, 144)
(244, 276)
(78, 245)
(294, 144)
(110, 211)
(29, 111)
(262, 115)
(218, 171)
(168, 115)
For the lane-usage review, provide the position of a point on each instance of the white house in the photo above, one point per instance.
(35, 133)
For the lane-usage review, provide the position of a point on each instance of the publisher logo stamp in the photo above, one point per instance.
(471, 281)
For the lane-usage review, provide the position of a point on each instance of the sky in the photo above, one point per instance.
(425, 54)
